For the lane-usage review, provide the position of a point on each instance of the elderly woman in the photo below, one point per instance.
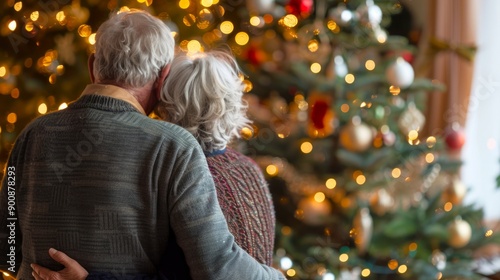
(203, 94)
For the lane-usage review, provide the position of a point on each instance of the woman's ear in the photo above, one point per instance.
(91, 67)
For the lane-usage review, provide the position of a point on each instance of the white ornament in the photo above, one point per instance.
(341, 15)
(400, 73)
(370, 13)
(329, 276)
(260, 6)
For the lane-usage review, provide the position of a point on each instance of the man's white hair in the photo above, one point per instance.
(203, 94)
(131, 49)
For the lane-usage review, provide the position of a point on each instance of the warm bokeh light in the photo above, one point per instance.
(306, 147)
(488, 233)
(393, 264)
(370, 65)
(3, 71)
(241, 38)
(84, 30)
(42, 108)
(255, 21)
(226, 27)
(344, 108)
(431, 141)
(63, 106)
(92, 39)
(18, 6)
(313, 45)
(343, 257)
(286, 230)
(331, 183)
(365, 272)
(349, 78)
(413, 246)
(413, 135)
(290, 20)
(361, 179)
(396, 173)
(272, 170)
(315, 67)
(34, 15)
(291, 272)
(448, 206)
(12, 25)
(194, 46)
(184, 4)
(12, 118)
(207, 3)
(394, 90)
(319, 197)
(429, 157)
(402, 268)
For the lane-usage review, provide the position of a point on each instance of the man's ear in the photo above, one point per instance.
(161, 79)
(91, 67)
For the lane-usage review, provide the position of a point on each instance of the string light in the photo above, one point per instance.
(344, 257)
(315, 68)
(12, 25)
(306, 147)
(349, 78)
(331, 183)
(18, 6)
(402, 269)
(255, 21)
(290, 20)
(63, 106)
(12, 118)
(42, 108)
(370, 65)
(396, 173)
(272, 170)
(241, 38)
(184, 4)
(319, 197)
(226, 27)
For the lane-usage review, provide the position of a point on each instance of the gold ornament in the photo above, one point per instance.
(362, 229)
(455, 191)
(411, 119)
(381, 202)
(313, 212)
(459, 233)
(356, 136)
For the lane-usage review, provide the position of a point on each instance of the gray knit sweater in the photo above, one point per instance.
(104, 183)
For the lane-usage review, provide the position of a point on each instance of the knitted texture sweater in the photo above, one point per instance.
(246, 202)
(104, 183)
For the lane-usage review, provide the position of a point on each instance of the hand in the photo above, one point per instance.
(72, 269)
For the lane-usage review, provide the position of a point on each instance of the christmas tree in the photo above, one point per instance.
(359, 190)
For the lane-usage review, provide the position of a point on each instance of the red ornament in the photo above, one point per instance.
(300, 7)
(254, 56)
(455, 138)
(318, 113)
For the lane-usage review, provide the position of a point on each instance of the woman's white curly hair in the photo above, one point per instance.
(203, 93)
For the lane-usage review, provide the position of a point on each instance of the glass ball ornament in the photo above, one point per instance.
(356, 136)
(459, 232)
(400, 73)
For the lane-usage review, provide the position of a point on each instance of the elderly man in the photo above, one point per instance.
(104, 183)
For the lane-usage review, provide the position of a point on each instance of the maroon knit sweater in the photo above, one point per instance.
(246, 202)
